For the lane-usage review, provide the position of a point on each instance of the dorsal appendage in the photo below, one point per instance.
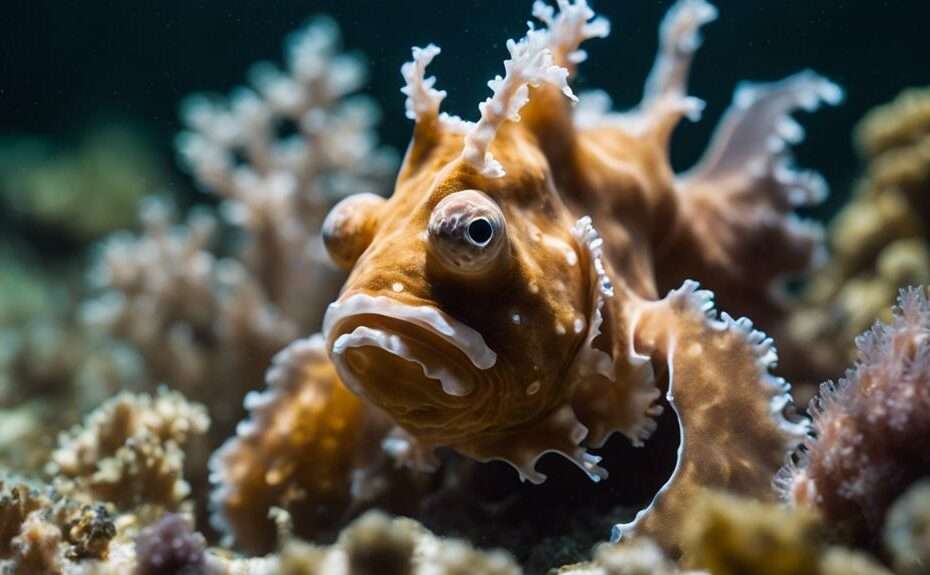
(545, 56)
(530, 64)
(665, 98)
(423, 100)
(574, 23)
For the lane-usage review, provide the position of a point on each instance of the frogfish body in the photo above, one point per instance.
(506, 302)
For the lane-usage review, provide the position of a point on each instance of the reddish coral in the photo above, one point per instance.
(866, 447)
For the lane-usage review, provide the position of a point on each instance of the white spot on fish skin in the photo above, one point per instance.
(571, 257)
(578, 326)
(559, 328)
(533, 388)
(534, 288)
(535, 234)
(397, 287)
(515, 317)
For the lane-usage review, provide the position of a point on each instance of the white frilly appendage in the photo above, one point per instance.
(423, 99)
(665, 97)
(530, 64)
(636, 418)
(751, 142)
(574, 23)
(666, 91)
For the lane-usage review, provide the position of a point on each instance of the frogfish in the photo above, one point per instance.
(531, 285)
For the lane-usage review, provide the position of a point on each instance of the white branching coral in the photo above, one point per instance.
(334, 149)
(196, 321)
(202, 321)
(283, 185)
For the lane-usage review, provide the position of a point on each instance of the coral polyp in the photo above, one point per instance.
(865, 449)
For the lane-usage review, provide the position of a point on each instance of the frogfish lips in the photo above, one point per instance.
(399, 355)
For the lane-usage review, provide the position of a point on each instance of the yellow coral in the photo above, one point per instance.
(129, 451)
(878, 240)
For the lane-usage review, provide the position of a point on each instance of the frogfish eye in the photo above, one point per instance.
(350, 226)
(467, 232)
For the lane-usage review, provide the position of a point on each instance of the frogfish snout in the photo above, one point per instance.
(405, 358)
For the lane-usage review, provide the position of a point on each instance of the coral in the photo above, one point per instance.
(504, 300)
(878, 241)
(204, 323)
(40, 531)
(726, 535)
(89, 532)
(196, 321)
(169, 546)
(907, 530)
(37, 548)
(84, 190)
(279, 194)
(52, 369)
(863, 454)
(634, 557)
(130, 452)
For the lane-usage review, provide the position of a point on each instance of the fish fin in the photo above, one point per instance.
(736, 228)
(614, 387)
(560, 433)
(734, 435)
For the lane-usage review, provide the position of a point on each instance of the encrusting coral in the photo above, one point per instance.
(907, 530)
(726, 535)
(866, 449)
(130, 452)
(486, 312)
(878, 241)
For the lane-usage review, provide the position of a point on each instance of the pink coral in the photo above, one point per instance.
(866, 448)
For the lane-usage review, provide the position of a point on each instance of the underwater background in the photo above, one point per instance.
(90, 99)
(68, 65)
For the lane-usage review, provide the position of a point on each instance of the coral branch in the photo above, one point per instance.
(863, 452)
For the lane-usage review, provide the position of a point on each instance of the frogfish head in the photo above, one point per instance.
(468, 299)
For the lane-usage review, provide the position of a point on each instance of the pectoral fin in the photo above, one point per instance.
(734, 436)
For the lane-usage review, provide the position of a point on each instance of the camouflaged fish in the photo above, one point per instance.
(506, 301)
